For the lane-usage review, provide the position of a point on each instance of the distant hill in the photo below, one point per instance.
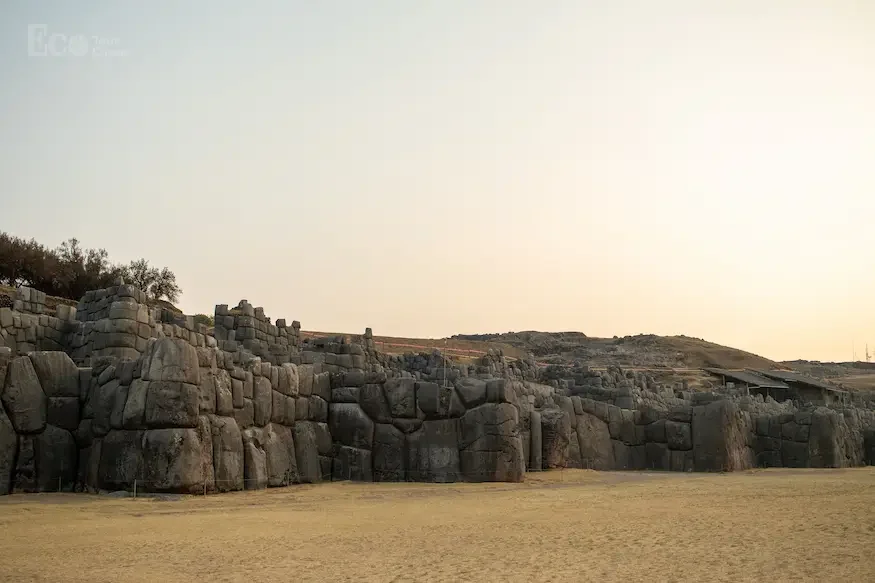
(644, 350)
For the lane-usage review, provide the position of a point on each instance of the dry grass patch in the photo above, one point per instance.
(774, 525)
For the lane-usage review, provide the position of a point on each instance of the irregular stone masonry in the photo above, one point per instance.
(247, 327)
(155, 402)
(24, 332)
(29, 301)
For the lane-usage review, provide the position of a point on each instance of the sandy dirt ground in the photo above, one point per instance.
(574, 525)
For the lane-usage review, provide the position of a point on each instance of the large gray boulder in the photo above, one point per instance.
(254, 459)
(501, 391)
(63, 412)
(401, 397)
(536, 442)
(100, 404)
(134, 414)
(317, 409)
(324, 442)
(306, 373)
(826, 439)
(278, 409)
(658, 456)
(172, 460)
(88, 475)
(350, 426)
(574, 455)
(25, 478)
(171, 404)
(353, 464)
(288, 382)
(472, 391)
(490, 446)
(794, 454)
(556, 437)
(678, 435)
(594, 439)
(720, 438)
(205, 438)
(57, 373)
(23, 397)
(171, 359)
(227, 453)
(433, 452)
(118, 407)
(121, 459)
(262, 401)
(279, 449)
(307, 451)
(207, 393)
(869, 446)
(8, 450)
(321, 386)
(374, 404)
(438, 402)
(389, 454)
(46, 462)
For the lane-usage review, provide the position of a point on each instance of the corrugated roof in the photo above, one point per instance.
(789, 376)
(748, 378)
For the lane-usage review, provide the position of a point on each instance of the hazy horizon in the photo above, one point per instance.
(436, 168)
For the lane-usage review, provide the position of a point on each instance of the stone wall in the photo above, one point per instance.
(145, 398)
(247, 327)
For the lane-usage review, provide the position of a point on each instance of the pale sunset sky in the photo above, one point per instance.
(431, 167)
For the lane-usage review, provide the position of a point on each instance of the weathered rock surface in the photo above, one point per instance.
(227, 453)
(262, 401)
(172, 460)
(720, 438)
(279, 449)
(171, 404)
(57, 373)
(556, 437)
(536, 442)
(401, 397)
(254, 459)
(8, 451)
(594, 439)
(472, 391)
(23, 397)
(350, 426)
(433, 452)
(490, 446)
(307, 451)
(121, 459)
(678, 435)
(389, 454)
(353, 464)
(63, 412)
(171, 359)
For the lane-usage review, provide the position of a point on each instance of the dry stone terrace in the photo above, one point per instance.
(117, 395)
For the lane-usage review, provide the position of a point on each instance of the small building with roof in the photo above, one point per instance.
(754, 383)
(808, 389)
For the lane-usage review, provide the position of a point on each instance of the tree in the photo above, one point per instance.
(141, 275)
(70, 270)
(79, 270)
(157, 283)
(166, 286)
(204, 319)
(25, 262)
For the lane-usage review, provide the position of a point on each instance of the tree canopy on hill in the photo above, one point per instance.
(68, 271)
